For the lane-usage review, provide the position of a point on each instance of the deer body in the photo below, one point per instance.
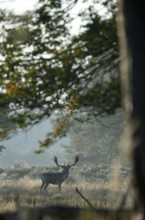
(56, 178)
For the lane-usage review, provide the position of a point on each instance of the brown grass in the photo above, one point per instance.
(25, 192)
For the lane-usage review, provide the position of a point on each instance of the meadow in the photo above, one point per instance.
(20, 186)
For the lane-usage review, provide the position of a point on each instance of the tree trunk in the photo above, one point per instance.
(132, 51)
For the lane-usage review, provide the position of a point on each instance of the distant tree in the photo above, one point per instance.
(96, 139)
(44, 68)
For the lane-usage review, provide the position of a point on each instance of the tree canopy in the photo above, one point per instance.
(43, 67)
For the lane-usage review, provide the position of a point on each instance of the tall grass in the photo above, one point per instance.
(102, 187)
(26, 192)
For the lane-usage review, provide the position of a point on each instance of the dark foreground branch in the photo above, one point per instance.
(86, 200)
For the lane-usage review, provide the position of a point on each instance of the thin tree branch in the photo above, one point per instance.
(86, 200)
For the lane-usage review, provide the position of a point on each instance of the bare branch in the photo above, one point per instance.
(86, 200)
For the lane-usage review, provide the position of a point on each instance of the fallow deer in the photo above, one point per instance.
(56, 178)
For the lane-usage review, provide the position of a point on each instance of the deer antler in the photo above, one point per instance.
(76, 160)
(56, 161)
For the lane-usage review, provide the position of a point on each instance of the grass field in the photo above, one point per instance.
(21, 187)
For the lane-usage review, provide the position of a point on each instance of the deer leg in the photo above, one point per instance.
(43, 183)
(46, 185)
(59, 187)
(43, 186)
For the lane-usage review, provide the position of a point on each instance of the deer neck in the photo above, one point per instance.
(65, 174)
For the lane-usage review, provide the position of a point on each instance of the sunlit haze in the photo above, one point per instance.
(18, 6)
(21, 6)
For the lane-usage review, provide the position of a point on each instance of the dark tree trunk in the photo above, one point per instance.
(132, 50)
